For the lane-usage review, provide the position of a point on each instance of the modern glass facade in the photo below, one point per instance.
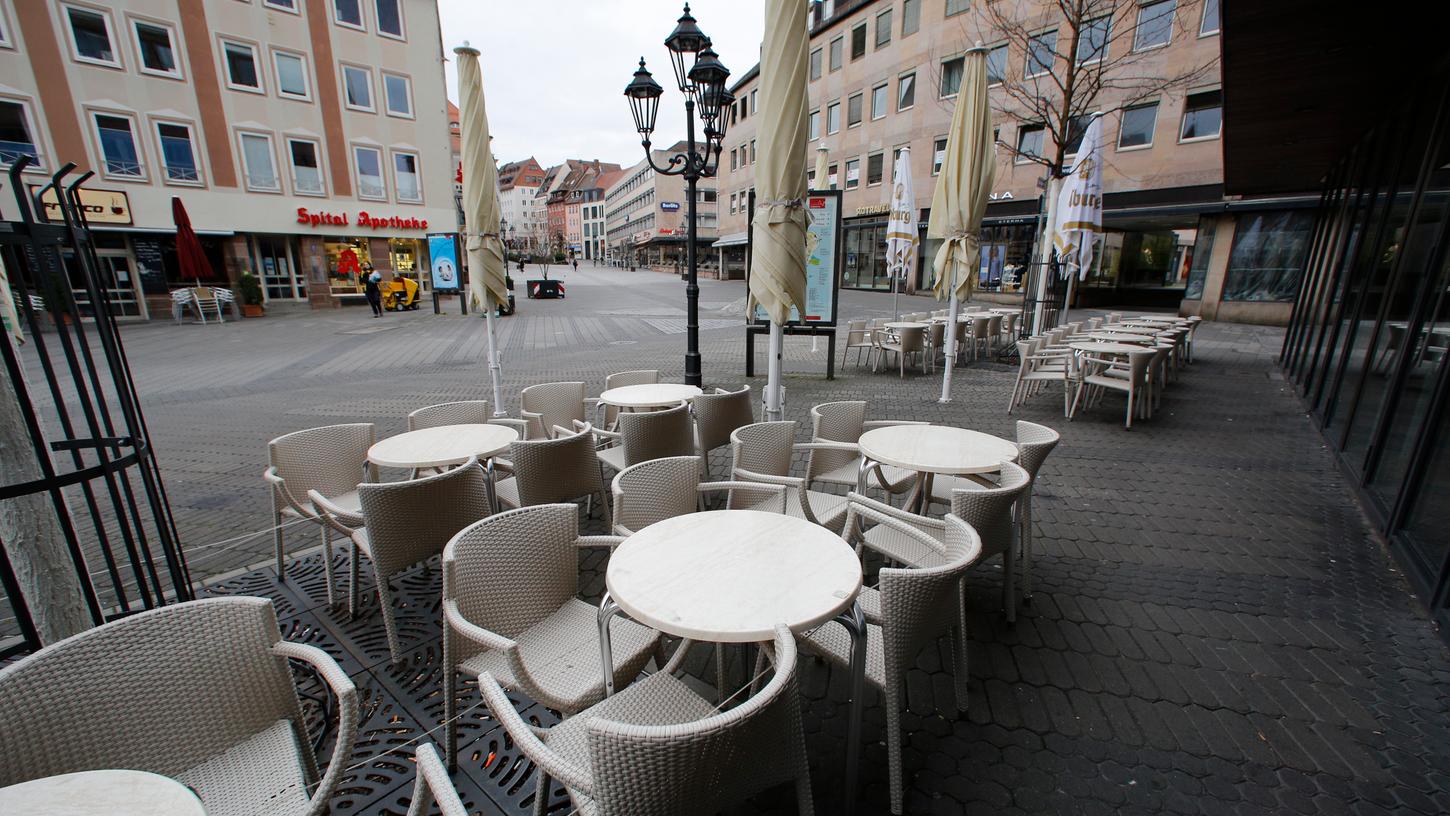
(1370, 334)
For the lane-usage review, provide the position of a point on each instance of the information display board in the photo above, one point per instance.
(823, 260)
(443, 259)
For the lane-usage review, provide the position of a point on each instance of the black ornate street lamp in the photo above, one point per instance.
(701, 78)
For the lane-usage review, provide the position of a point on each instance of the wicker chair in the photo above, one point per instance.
(200, 692)
(431, 785)
(1038, 365)
(664, 488)
(910, 340)
(1132, 380)
(659, 749)
(908, 611)
(330, 461)
(651, 435)
(548, 406)
(620, 380)
(858, 339)
(554, 470)
(1034, 443)
(844, 422)
(762, 453)
(717, 416)
(509, 610)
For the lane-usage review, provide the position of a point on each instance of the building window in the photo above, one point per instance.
(241, 65)
(754, 102)
(997, 66)
(1092, 40)
(1202, 116)
(816, 64)
(814, 120)
(835, 48)
(348, 13)
(951, 76)
(955, 7)
(1209, 24)
(732, 203)
(910, 16)
(1029, 143)
(405, 177)
(1137, 127)
(306, 167)
(833, 117)
(258, 166)
(285, 5)
(878, 101)
(178, 152)
(398, 95)
(1267, 256)
(853, 174)
(938, 154)
(156, 48)
(291, 72)
(1041, 54)
(90, 36)
(119, 152)
(368, 161)
(1076, 130)
(883, 29)
(752, 151)
(17, 133)
(905, 91)
(831, 176)
(5, 41)
(858, 42)
(733, 160)
(853, 110)
(357, 84)
(390, 18)
(874, 164)
(1155, 24)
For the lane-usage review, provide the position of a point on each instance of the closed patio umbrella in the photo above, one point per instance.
(1078, 217)
(823, 182)
(778, 279)
(486, 283)
(960, 201)
(189, 254)
(901, 228)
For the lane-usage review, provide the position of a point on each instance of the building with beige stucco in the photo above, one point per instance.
(644, 216)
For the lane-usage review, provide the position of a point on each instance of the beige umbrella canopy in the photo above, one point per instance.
(823, 182)
(965, 182)
(480, 188)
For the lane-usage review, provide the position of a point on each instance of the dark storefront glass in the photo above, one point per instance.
(864, 266)
(1268, 255)
(1198, 269)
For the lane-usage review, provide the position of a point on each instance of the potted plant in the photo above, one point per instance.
(251, 290)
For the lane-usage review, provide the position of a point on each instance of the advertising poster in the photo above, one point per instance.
(822, 260)
(443, 250)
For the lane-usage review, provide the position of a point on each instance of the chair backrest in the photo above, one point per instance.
(410, 521)
(834, 422)
(706, 765)
(181, 296)
(989, 510)
(981, 325)
(332, 459)
(514, 569)
(1026, 347)
(556, 403)
(556, 470)
(656, 490)
(620, 379)
(856, 325)
(1009, 323)
(936, 333)
(202, 293)
(157, 691)
(911, 339)
(717, 416)
(464, 412)
(654, 434)
(919, 605)
(1094, 323)
(1034, 442)
(764, 447)
(994, 325)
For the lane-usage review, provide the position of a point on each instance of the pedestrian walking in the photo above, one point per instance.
(374, 292)
(576, 264)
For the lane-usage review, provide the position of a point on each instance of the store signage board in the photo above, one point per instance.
(670, 206)
(823, 260)
(100, 206)
(443, 252)
(322, 218)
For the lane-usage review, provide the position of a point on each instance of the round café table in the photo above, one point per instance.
(730, 576)
(930, 450)
(649, 395)
(1109, 347)
(446, 446)
(904, 324)
(101, 793)
(1120, 337)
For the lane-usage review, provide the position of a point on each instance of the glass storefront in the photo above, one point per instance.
(406, 254)
(1268, 255)
(864, 264)
(348, 262)
(275, 264)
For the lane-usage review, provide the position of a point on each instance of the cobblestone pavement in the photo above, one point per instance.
(1215, 629)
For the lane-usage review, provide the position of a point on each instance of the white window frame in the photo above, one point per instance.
(837, 106)
(1157, 105)
(1137, 23)
(814, 133)
(75, 51)
(357, 171)
(360, 25)
(295, 8)
(261, 87)
(176, 52)
(885, 88)
(1203, 15)
(292, 167)
(1107, 41)
(943, 64)
(165, 173)
(27, 110)
(935, 167)
(372, 106)
(1184, 115)
(139, 143)
(879, 182)
(1006, 64)
(417, 173)
(899, 77)
(387, 98)
(401, 36)
(306, 74)
(861, 95)
(7, 40)
(1027, 60)
(1017, 157)
(246, 171)
(846, 171)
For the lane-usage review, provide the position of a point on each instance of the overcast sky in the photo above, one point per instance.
(554, 71)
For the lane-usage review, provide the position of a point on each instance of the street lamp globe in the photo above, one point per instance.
(644, 100)
(686, 39)
(709, 76)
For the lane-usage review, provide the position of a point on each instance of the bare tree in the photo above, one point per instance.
(1089, 56)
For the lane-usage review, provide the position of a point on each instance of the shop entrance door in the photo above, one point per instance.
(274, 261)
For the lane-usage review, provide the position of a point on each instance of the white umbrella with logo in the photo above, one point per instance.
(901, 238)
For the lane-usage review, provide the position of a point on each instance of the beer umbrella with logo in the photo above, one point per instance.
(1078, 217)
(189, 254)
(823, 182)
(486, 284)
(960, 200)
(778, 276)
(901, 227)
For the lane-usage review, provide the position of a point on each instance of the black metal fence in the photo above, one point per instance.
(91, 447)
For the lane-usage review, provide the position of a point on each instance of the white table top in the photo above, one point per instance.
(1110, 348)
(905, 324)
(442, 446)
(1151, 319)
(649, 395)
(101, 793)
(1121, 337)
(1005, 310)
(730, 576)
(937, 449)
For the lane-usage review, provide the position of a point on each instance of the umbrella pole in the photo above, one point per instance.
(895, 298)
(951, 360)
(494, 372)
(774, 407)
(1067, 300)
